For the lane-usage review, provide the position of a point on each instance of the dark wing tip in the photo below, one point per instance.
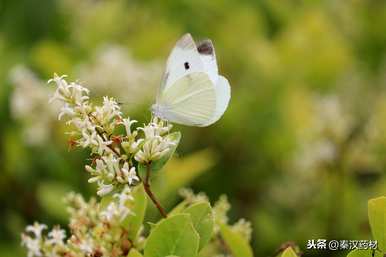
(205, 47)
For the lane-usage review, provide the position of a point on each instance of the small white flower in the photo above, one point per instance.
(81, 124)
(132, 176)
(100, 166)
(73, 93)
(104, 189)
(62, 88)
(89, 139)
(83, 109)
(124, 196)
(102, 145)
(66, 110)
(153, 149)
(110, 211)
(127, 123)
(36, 229)
(118, 209)
(141, 157)
(33, 246)
(132, 145)
(94, 179)
(86, 246)
(129, 174)
(56, 236)
(150, 130)
(112, 164)
(96, 172)
(107, 112)
(78, 93)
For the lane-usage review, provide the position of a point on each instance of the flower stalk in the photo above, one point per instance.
(146, 185)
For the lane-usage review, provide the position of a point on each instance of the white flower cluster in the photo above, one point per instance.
(155, 144)
(220, 210)
(27, 103)
(92, 226)
(331, 126)
(113, 70)
(39, 245)
(244, 228)
(191, 197)
(118, 209)
(94, 128)
(108, 172)
(95, 228)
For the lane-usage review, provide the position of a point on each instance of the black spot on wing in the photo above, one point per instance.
(205, 47)
(186, 65)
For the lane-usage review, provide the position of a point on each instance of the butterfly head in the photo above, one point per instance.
(156, 110)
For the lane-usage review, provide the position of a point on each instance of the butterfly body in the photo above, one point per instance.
(192, 92)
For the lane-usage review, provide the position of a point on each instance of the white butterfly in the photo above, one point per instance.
(192, 92)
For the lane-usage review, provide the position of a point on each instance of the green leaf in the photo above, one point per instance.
(377, 219)
(159, 164)
(179, 208)
(236, 243)
(203, 221)
(134, 253)
(138, 206)
(289, 252)
(364, 253)
(152, 224)
(174, 235)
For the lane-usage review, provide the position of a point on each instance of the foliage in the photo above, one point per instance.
(377, 218)
(289, 252)
(122, 166)
(376, 210)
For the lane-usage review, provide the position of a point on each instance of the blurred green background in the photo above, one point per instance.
(299, 151)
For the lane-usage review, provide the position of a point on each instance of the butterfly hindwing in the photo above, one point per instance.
(191, 100)
(223, 95)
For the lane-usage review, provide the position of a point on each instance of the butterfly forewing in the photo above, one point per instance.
(183, 60)
(208, 57)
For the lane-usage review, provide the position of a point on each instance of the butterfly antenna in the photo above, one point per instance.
(127, 102)
(122, 103)
(151, 115)
(145, 117)
(167, 125)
